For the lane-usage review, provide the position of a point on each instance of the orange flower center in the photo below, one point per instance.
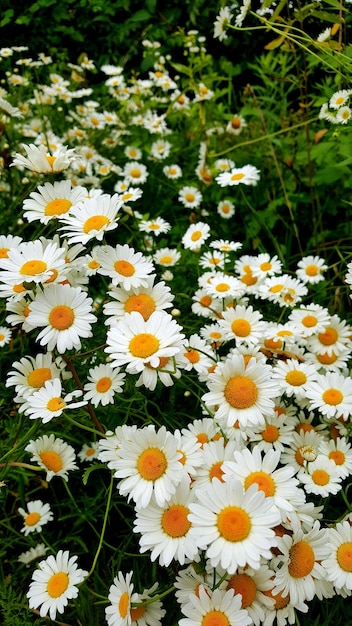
(215, 618)
(175, 521)
(241, 327)
(263, 480)
(241, 392)
(93, 265)
(125, 268)
(280, 602)
(233, 523)
(103, 384)
(344, 556)
(137, 612)
(4, 253)
(271, 433)
(337, 456)
(32, 518)
(192, 355)
(266, 266)
(273, 344)
(124, 604)
(55, 404)
(142, 303)
(205, 301)
(216, 471)
(309, 321)
(202, 438)
(57, 207)
(237, 176)
(332, 396)
(296, 378)
(328, 337)
(32, 268)
(51, 460)
(327, 359)
(312, 270)
(143, 345)
(61, 317)
(302, 559)
(245, 585)
(320, 477)
(38, 377)
(96, 222)
(57, 584)
(152, 464)
(196, 235)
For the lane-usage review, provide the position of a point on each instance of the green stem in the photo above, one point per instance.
(79, 425)
(101, 540)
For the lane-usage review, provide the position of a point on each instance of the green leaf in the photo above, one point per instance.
(140, 16)
(89, 470)
(182, 69)
(325, 16)
(151, 5)
(7, 17)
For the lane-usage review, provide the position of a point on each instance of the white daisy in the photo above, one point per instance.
(109, 446)
(5, 336)
(135, 173)
(310, 319)
(54, 583)
(233, 526)
(339, 98)
(53, 455)
(157, 227)
(320, 477)
(34, 553)
(144, 613)
(221, 23)
(334, 338)
(35, 517)
(331, 395)
(293, 377)
(39, 160)
(65, 313)
(338, 563)
(251, 585)
(118, 613)
(104, 383)
(198, 354)
(172, 171)
(246, 175)
(339, 451)
(214, 453)
(190, 197)
(52, 201)
(242, 324)
(144, 300)
(311, 269)
(89, 452)
(225, 245)
(167, 257)
(91, 218)
(220, 608)
(47, 403)
(236, 124)
(33, 261)
(149, 464)
(124, 266)
(31, 373)
(224, 286)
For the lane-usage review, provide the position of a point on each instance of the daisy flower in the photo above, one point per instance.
(92, 218)
(293, 377)
(198, 354)
(138, 343)
(310, 269)
(165, 529)
(47, 403)
(53, 455)
(65, 313)
(219, 607)
(205, 305)
(300, 563)
(246, 175)
(33, 261)
(172, 171)
(264, 265)
(310, 319)
(132, 152)
(242, 324)
(343, 115)
(157, 227)
(339, 98)
(39, 160)
(225, 245)
(241, 391)
(334, 338)
(203, 430)
(130, 194)
(54, 583)
(160, 149)
(320, 477)
(5, 336)
(214, 454)
(52, 201)
(339, 451)
(304, 445)
(135, 173)
(144, 613)
(34, 553)
(338, 563)
(212, 259)
(144, 300)
(236, 124)
(251, 585)
(196, 235)
(331, 395)
(124, 266)
(233, 526)
(7, 242)
(109, 446)
(276, 433)
(190, 197)
(225, 209)
(118, 613)
(31, 373)
(213, 334)
(149, 465)
(37, 515)
(89, 452)
(224, 286)
(167, 257)
(104, 383)
(221, 23)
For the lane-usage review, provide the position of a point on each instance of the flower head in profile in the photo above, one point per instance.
(54, 583)
(118, 613)
(49, 401)
(35, 517)
(39, 160)
(246, 175)
(221, 23)
(338, 563)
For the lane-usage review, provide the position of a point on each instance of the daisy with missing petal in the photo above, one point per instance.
(53, 455)
(190, 197)
(118, 613)
(138, 343)
(124, 266)
(38, 160)
(104, 383)
(65, 313)
(157, 227)
(233, 526)
(92, 218)
(33, 261)
(310, 269)
(241, 391)
(338, 563)
(300, 559)
(331, 395)
(51, 201)
(37, 515)
(246, 175)
(217, 608)
(54, 583)
(242, 324)
(149, 463)
(167, 257)
(165, 529)
(47, 403)
(195, 236)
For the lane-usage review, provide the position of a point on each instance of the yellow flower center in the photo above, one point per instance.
(202, 438)
(125, 268)
(196, 235)
(245, 585)
(55, 404)
(57, 207)
(273, 344)
(320, 477)
(340, 100)
(135, 173)
(51, 160)
(166, 259)
(96, 222)
(143, 345)
(302, 559)
(222, 287)
(332, 396)
(142, 303)
(192, 355)
(215, 618)
(124, 604)
(189, 197)
(103, 384)
(241, 392)
(263, 480)
(279, 601)
(270, 434)
(337, 456)
(344, 556)
(32, 518)
(216, 471)
(309, 321)
(248, 279)
(152, 464)
(296, 378)
(327, 359)
(61, 317)
(233, 523)
(174, 521)
(312, 270)
(32, 268)
(266, 266)
(276, 288)
(4, 253)
(51, 460)
(38, 377)
(328, 337)
(238, 176)
(137, 612)
(57, 584)
(90, 451)
(241, 327)
(93, 265)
